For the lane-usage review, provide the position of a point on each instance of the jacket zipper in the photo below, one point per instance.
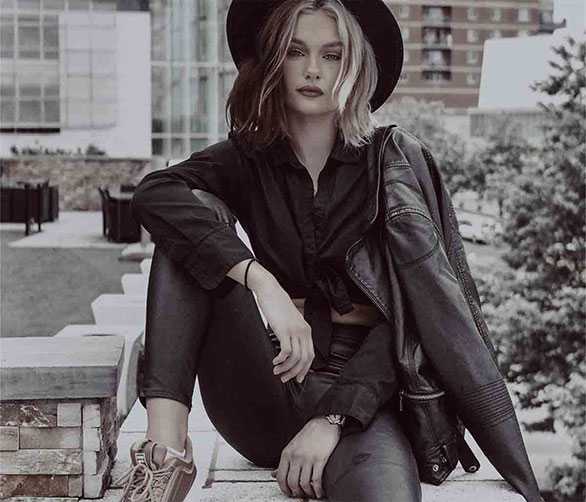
(418, 397)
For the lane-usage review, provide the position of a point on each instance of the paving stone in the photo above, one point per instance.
(252, 475)
(135, 284)
(227, 458)
(468, 491)
(246, 492)
(119, 309)
(145, 265)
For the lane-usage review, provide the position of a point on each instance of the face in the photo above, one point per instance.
(313, 59)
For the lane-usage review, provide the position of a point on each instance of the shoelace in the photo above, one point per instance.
(142, 483)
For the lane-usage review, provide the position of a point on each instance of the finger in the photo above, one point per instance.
(281, 475)
(310, 356)
(293, 479)
(316, 479)
(285, 350)
(293, 372)
(305, 480)
(291, 361)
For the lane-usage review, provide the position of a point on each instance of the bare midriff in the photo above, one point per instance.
(363, 315)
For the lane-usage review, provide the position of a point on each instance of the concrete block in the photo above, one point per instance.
(8, 438)
(127, 392)
(53, 368)
(69, 414)
(49, 437)
(49, 461)
(94, 485)
(91, 415)
(119, 309)
(145, 265)
(75, 486)
(92, 439)
(135, 284)
(92, 461)
(246, 492)
(137, 252)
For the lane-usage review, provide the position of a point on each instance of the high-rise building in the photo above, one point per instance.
(444, 40)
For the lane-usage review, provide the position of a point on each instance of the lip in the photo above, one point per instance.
(310, 91)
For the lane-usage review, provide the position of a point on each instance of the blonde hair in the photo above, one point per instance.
(256, 105)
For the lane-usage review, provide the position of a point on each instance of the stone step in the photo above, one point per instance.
(135, 284)
(145, 265)
(119, 309)
(133, 347)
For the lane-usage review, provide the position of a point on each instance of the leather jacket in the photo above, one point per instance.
(412, 264)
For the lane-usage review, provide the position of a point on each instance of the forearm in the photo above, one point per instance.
(259, 277)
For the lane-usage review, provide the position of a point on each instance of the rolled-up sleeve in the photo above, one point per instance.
(367, 382)
(184, 227)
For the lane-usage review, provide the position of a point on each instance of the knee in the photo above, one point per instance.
(375, 481)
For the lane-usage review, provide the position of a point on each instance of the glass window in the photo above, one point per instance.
(472, 57)
(178, 104)
(404, 11)
(78, 113)
(28, 4)
(472, 13)
(497, 14)
(51, 111)
(405, 56)
(103, 63)
(200, 99)
(7, 87)
(405, 33)
(6, 5)
(79, 4)
(157, 146)
(103, 114)
(523, 33)
(159, 25)
(29, 38)
(198, 144)
(78, 37)
(495, 34)
(7, 111)
(30, 111)
(472, 79)
(29, 89)
(523, 15)
(104, 89)
(104, 5)
(177, 33)
(7, 37)
(54, 4)
(472, 35)
(159, 99)
(178, 150)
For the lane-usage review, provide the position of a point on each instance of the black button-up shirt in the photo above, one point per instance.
(299, 236)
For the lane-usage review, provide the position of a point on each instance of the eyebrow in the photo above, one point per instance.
(329, 44)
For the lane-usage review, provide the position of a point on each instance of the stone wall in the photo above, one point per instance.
(59, 449)
(78, 178)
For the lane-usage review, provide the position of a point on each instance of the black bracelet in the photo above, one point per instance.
(246, 274)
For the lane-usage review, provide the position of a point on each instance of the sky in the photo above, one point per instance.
(573, 10)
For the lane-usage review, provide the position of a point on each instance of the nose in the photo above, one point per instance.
(313, 70)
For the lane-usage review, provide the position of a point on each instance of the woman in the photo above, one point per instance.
(309, 395)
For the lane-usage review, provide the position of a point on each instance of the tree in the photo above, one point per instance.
(540, 319)
(425, 120)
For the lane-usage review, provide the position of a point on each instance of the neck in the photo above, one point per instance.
(312, 136)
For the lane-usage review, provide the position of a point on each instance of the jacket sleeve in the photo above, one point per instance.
(451, 328)
(187, 229)
(367, 381)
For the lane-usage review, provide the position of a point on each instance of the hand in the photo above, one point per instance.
(304, 458)
(294, 333)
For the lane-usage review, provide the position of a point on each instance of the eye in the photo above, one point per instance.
(334, 57)
(292, 52)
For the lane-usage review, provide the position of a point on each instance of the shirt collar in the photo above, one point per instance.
(281, 152)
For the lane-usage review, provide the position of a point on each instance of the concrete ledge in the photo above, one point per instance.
(137, 252)
(135, 284)
(119, 309)
(51, 368)
(133, 349)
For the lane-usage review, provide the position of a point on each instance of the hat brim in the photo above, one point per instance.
(246, 18)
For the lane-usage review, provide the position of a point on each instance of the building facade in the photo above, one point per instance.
(74, 73)
(444, 42)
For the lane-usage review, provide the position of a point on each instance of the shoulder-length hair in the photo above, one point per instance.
(255, 109)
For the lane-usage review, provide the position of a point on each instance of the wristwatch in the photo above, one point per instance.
(336, 419)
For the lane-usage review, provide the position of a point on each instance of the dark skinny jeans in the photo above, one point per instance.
(225, 343)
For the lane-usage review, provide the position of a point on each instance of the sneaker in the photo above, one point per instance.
(154, 478)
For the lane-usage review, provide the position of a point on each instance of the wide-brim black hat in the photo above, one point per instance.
(246, 18)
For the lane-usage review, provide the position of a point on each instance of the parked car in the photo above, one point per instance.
(479, 229)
